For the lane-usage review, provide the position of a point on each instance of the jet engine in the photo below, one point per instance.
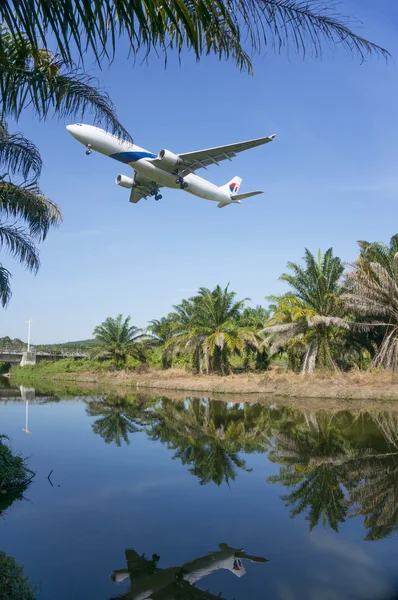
(169, 158)
(125, 181)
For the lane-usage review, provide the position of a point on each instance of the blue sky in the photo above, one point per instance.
(330, 179)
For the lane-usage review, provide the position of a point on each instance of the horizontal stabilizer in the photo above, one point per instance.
(237, 197)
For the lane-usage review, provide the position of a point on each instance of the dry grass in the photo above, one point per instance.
(380, 385)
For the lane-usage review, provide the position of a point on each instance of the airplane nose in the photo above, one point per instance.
(72, 129)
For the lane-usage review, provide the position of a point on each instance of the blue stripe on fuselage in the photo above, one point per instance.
(128, 157)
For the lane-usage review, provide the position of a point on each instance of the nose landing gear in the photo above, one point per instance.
(88, 151)
(183, 184)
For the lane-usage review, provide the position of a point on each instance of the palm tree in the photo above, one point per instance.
(33, 77)
(23, 202)
(162, 331)
(372, 292)
(310, 318)
(236, 29)
(378, 252)
(254, 319)
(118, 339)
(208, 326)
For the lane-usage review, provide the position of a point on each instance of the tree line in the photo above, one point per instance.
(332, 318)
(41, 41)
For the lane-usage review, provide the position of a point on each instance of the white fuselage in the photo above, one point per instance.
(141, 160)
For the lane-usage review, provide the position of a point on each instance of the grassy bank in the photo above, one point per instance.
(381, 385)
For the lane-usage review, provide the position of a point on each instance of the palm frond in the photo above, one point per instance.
(28, 203)
(237, 28)
(19, 245)
(18, 155)
(5, 286)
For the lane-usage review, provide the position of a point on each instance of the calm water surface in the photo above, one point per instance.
(153, 498)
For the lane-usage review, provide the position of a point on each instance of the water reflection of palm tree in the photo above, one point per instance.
(376, 495)
(148, 581)
(317, 462)
(210, 435)
(120, 418)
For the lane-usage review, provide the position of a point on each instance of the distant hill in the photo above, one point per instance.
(17, 344)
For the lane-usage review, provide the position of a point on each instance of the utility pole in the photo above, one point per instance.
(29, 321)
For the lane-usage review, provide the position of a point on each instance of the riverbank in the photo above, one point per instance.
(382, 385)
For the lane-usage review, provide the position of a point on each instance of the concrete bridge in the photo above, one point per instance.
(22, 357)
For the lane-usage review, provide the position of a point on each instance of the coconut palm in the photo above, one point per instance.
(236, 29)
(22, 203)
(162, 330)
(309, 319)
(118, 339)
(33, 77)
(208, 326)
(372, 292)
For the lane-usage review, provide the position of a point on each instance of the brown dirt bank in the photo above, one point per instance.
(357, 389)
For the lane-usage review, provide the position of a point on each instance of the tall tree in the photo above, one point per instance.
(118, 339)
(208, 326)
(162, 331)
(378, 252)
(311, 315)
(372, 294)
(254, 320)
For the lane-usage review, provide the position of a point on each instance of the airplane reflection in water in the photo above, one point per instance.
(148, 582)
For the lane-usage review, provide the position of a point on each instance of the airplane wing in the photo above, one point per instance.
(204, 158)
(143, 188)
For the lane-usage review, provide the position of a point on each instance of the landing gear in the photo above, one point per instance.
(156, 194)
(183, 184)
(88, 151)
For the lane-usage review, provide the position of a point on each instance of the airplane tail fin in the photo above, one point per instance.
(232, 187)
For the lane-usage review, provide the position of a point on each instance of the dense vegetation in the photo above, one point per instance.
(13, 583)
(14, 475)
(331, 319)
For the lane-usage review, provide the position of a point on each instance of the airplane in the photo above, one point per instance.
(166, 169)
(149, 582)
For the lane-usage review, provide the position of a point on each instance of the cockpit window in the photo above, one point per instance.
(79, 124)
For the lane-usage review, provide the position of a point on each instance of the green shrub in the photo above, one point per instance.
(13, 472)
(13, 583)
